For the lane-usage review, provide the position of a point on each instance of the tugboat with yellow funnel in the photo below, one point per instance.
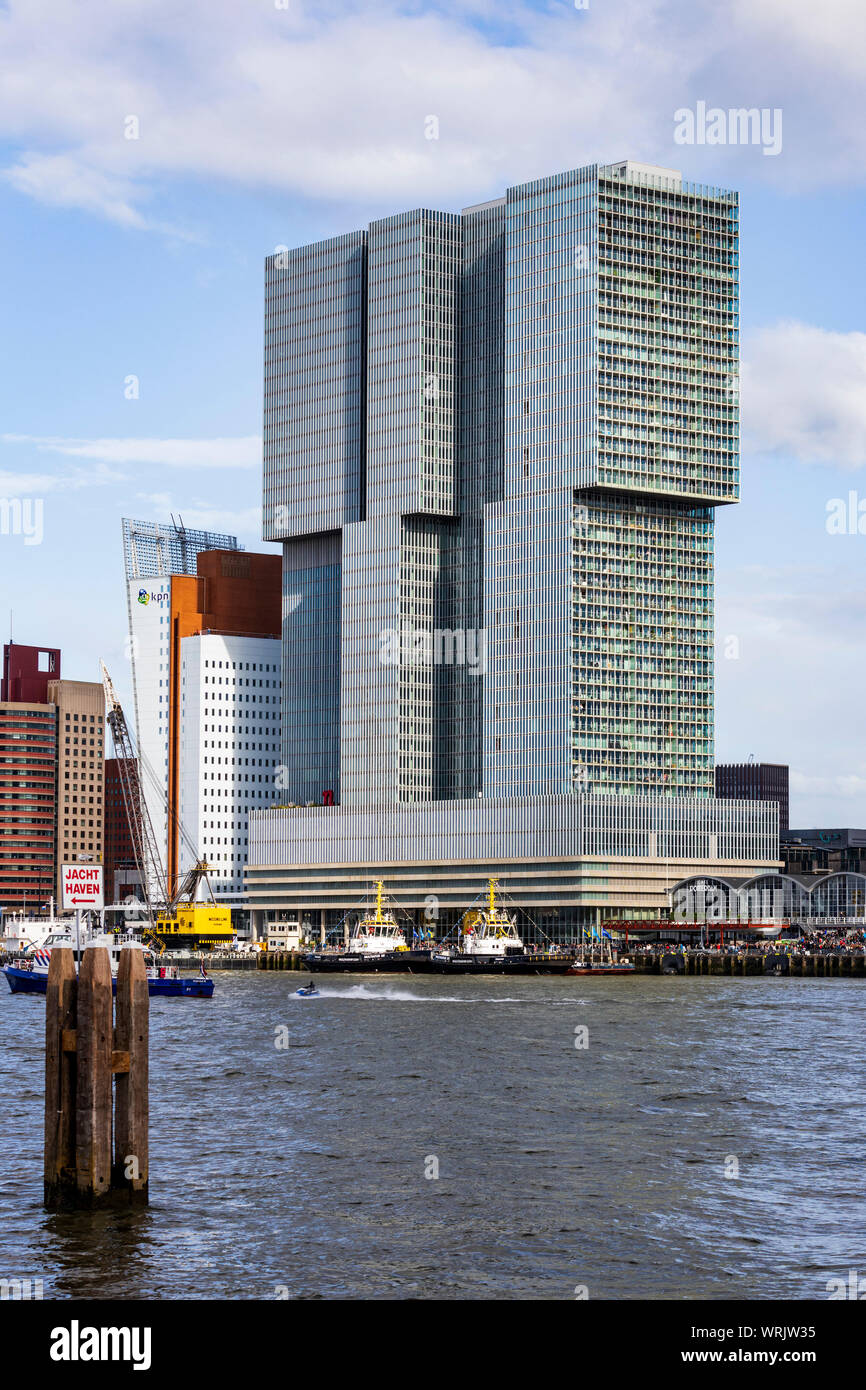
(377, 943)
(492, 945)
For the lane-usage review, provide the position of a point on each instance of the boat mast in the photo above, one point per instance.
(379, 919)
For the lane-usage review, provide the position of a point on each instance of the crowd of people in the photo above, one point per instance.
(819, 941)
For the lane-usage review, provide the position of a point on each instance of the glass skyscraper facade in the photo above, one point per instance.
(512, 427)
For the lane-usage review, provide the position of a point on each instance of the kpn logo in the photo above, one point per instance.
(77, 1343)
(143, 596)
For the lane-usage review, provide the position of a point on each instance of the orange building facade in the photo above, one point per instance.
(235, 594)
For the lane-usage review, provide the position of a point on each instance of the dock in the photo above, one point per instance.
(804, 965)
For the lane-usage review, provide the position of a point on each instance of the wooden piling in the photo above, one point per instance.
(60, 1078)
(93, 1095)
(82, 1053)
(131, 1041)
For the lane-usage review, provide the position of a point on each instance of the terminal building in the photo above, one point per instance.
(494, 445)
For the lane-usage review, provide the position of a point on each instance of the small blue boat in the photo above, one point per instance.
(23, 981)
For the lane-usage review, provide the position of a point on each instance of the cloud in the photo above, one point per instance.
(38, 484)
(330, 101)
(804, 394)
(845, 786)
(203, 516)
(64, 181)
(245, 452)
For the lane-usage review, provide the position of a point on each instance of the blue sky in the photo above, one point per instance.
(259, 126)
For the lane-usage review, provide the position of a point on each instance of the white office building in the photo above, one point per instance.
(229, 748)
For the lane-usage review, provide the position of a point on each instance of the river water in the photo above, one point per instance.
(705, 1139)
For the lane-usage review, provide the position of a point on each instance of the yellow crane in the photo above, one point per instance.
(176, 919)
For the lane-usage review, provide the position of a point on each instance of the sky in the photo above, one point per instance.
(153, 153)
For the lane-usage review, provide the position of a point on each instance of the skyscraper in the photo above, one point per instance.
(80, 772)
(494, 445)
(153, 553)
(28, 803)
(511, 426)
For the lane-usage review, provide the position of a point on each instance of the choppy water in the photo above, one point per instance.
(303, 1167)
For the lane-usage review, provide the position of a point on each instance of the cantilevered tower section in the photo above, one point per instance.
(510, 426)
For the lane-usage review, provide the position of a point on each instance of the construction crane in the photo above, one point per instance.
(174, 917)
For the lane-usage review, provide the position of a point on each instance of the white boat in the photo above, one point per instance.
(22, 934)
(377, 932)
(491, 933)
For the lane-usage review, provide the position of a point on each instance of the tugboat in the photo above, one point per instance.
(492, 945)
(377, 943)
(28, 974)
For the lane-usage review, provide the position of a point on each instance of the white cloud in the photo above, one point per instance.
(846, 786)
(245, 522)
(330, 100)
(63, 180)
(245, 452)
(17, 484)
(804, 394)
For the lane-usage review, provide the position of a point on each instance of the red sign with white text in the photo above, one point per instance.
(82, 885)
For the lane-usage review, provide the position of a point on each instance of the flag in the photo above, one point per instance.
(202, 969)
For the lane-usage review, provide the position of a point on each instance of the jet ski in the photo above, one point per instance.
(308, 992)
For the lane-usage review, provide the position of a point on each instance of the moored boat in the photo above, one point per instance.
(377, 943)
(490, 945)
(28, 974)
(598, 959)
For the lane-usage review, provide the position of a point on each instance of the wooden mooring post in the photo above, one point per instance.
(83, 1052)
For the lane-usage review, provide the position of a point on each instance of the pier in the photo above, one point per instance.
(815, 965)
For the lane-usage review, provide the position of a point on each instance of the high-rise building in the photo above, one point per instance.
(52, 737)
(755, 782)
(152, 550)
(122, 876)
(227, 596)
(27, 671)
(494, 443)
(28, 804)
(152, 554)
(229, 746)
(80, 709)
(504, 433)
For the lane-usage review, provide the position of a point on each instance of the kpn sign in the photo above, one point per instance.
(82, 885)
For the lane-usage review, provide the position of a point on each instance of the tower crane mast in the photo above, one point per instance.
(145, 848)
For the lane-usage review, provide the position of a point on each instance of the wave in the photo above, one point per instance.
(395, 994)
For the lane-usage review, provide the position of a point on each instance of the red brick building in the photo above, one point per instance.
(27, 671)
(121, 874)
(28, 804)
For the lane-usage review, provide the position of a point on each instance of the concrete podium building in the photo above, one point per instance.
(494, 444)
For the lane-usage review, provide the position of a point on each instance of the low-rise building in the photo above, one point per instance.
(568, 861)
